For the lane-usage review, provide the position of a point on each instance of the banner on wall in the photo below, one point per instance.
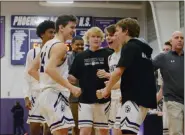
(102, 23)
(28, 24)
(19, 46)
(35, 41)
(32, 21)
(2, 35)
(81, 32)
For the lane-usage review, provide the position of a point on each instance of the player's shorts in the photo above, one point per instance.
(95, 115)
(34, 114)
(115, 105)
(130, 117)
(54, 106)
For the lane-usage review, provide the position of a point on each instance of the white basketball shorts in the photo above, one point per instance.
(95, 115)
(54, 107)
(130, 117)
(115, 105)
(34, 114)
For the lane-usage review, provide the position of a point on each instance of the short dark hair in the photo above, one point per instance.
(42, 27)
(76, 38)
(168, 43)
(64, 19)
(111, 29)
(131, 25)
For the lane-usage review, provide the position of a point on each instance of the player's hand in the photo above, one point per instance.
(159, 113)
(103, 93)
(101, 73)
(28, 103)
(99, 94)
(76, 91)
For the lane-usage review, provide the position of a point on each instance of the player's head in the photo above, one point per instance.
(66, 25)
(77, 44)
(46, 30)
(177, 40)
(94, 37)
(109, 35)
(127, 28)
(167, 46)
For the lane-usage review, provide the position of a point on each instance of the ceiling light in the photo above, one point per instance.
(60, 1)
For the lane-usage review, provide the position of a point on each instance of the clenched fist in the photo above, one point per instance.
(76, 91)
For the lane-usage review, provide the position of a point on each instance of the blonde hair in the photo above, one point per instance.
(95, 30)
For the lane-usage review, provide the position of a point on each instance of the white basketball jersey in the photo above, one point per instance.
(113, 62)
(31, 84)
(34, 84)
(45, 80)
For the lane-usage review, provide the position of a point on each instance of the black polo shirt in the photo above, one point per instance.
(85, 67)
(138, 80)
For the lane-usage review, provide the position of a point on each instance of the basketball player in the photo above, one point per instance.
(113, 61)
(53, 68)
(135, 69)
(92, 112)
(45, 31)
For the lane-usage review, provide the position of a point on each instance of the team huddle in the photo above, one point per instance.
(115, 86)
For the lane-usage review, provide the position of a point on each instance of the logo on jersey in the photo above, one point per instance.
(62, 107)
(93, 61)
(112, 67)
(172, 61)
(127, 108)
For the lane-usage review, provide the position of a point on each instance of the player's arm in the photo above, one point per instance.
(57, 53)
(72, 79)
(35, 65)
(116, 86)
(128, 54)
(27, 79)
(114, 78)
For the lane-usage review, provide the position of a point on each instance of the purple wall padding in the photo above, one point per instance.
(6, 125)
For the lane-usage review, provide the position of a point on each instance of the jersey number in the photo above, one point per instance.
(43, 54)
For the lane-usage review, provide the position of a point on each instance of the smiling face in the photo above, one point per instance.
(78, 45)
(66, 26)
(69, 30)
